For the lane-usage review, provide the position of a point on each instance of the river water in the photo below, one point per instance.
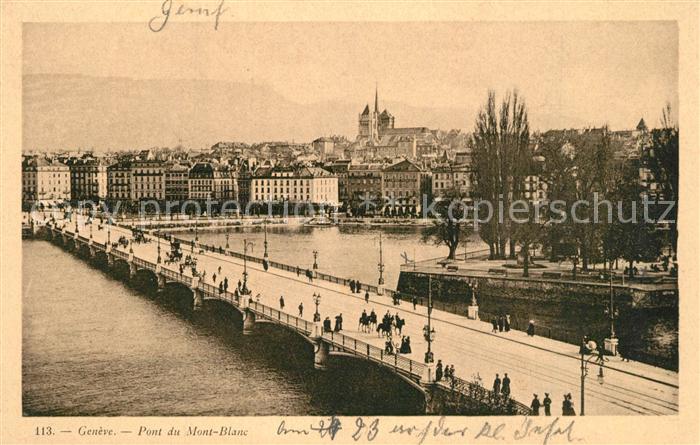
(94, 346)
(343, 251)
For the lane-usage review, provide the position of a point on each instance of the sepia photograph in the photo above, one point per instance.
(361, 219)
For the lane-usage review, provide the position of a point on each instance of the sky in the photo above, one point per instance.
(569, 73)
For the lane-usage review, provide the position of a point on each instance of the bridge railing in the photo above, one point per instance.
(496, 403)
(373, 353)
(299, 324)
(144, 264)
(99, 245)
(83, 239)
(176, 276)
(119, 254)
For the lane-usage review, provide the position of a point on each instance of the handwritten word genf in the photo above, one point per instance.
(158, 22)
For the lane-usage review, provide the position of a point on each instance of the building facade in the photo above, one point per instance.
(45, 181)
(119, 181)
(88, 179)
(402, 185)
(147, 180)
(176, 182)
(307, 184)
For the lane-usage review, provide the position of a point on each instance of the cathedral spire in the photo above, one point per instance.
(376, 98)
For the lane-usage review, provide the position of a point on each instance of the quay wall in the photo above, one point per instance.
(563, 310)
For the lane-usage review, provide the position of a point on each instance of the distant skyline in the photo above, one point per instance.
(571, 74)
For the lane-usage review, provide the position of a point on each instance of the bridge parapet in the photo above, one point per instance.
(144, 264)
(121, 255)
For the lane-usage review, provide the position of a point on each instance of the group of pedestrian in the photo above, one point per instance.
(405, 347)
(446, 372)
(223, 285)
(501, 387)
(355, 286)
(500, 323)
(567, 407)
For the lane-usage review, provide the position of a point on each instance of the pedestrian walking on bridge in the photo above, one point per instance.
(535, 406)
(505, 389)
(547, 403)
(367, 296)
(282, 302)
(301, 310)
(497, 386)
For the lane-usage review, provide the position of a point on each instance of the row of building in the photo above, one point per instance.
(347, 183)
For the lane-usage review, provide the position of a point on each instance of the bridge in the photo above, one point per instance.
(534, 365)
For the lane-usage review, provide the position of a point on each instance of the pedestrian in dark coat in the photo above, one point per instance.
(414, 300)
(497, 385)
(301, 309)
(505, 390)
(535, 406)
(531, 328)
(494, 324)
(352, 286)
(438, 371)
(501, 323)
(281, 302)
(547, 402)
(507, 323)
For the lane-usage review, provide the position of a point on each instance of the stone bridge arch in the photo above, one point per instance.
(177, 295)
(101, 259)
(70, 245)
(145, 280)
(83, 250)
(121, 270)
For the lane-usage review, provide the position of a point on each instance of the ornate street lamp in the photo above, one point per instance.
(612, 312)
(158, 236)
(265, 242)
(428, 330)
(246, 243)
(380, 266)
(590, 347)
(317, 301)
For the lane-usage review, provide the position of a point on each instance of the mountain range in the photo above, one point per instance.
(65, 111)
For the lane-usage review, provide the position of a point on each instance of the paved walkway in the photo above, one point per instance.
(534, 365)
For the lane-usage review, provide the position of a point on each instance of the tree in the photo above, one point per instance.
(528, 232)
(451, 226)
(500, 153)
(638, 240)
(660, 155)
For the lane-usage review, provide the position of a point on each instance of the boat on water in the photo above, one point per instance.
(319, 222)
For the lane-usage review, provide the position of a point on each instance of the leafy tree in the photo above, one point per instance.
(451, 226)
(528, 231)
(660, 155)
(500, 153)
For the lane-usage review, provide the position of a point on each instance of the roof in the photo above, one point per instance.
(202, 168)
(403, 165)
(642, 126)
(366, 111)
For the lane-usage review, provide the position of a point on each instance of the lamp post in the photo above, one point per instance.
(158, 236)
(611, 311)
(315, 259)
(317, 301)
(90, 230)
(246, 243)
(428, 330)
(265, 242)
(380, 266)
(589, 347)
(196, 235)
(227, 246)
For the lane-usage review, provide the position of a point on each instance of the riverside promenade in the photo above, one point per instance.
(535, 365)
